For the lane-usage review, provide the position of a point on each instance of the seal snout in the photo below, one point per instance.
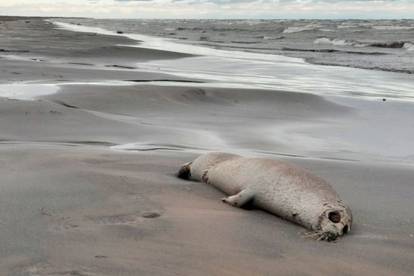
(336, 218)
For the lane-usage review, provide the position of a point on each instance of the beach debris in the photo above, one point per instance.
(45, 212)
(150, 214)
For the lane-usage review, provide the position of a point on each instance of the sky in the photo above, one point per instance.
(221, 9)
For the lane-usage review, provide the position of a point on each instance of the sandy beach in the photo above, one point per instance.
(90, 143)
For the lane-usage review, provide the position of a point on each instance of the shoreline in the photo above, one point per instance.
(268, 39)
(262, 70)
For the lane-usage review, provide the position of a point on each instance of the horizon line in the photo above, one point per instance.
(207, 18)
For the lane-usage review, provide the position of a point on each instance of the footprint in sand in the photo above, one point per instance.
(58, 223)
(64, 223)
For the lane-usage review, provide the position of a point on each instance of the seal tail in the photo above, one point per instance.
(185, 171)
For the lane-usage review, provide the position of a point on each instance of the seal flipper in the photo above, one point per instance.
(240, 199)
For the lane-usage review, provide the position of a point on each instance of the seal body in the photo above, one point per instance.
(278, 187)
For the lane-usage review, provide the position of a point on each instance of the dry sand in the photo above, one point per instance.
(71, 205)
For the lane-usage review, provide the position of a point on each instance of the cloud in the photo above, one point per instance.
(212, 8)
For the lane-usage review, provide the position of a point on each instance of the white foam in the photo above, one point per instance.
(83, 29)
(298, 29)
(393, 28)
(408, 46)
(30, 91)
(350, 25)
(26, 91)
(335, 41)
(15, 57)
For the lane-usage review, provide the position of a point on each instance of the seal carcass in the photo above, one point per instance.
(276, 186)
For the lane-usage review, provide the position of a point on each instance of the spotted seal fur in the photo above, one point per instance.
(276, 186)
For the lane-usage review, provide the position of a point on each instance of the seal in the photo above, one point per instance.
(278, 187)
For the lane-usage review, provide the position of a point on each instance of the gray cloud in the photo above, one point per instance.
(276, 1)
(133, 0)
(289, 9)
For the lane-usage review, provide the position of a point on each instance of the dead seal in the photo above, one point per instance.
(278, 187)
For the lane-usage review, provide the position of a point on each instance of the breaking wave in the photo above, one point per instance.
(391, 28)
(335, 41)
(409, 46)
(297, 29)
(342, 42)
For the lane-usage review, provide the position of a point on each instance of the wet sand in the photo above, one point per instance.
(88, 184)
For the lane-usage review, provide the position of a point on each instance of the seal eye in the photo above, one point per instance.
(334, 216)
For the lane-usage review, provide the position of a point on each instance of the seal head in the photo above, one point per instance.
(185, 171)
(333, 222)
